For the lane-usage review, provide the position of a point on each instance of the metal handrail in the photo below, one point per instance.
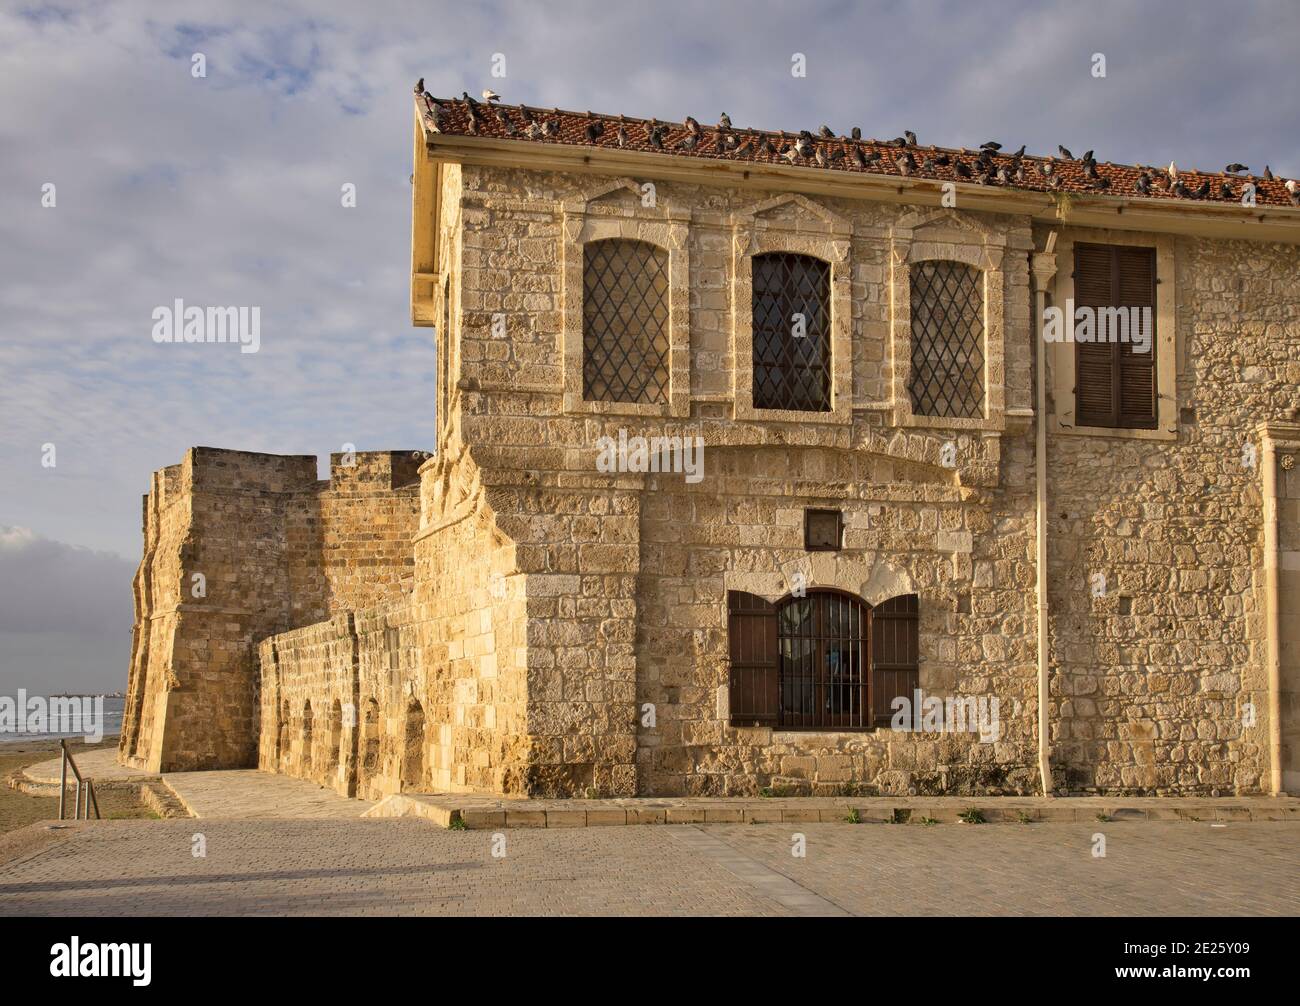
(82, 804)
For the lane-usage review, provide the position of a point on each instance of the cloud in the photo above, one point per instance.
(65, 614)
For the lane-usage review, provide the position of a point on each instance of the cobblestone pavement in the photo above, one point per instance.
(408, 867)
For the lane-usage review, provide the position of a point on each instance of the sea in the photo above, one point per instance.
(113, 707)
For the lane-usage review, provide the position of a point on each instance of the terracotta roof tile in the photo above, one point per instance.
(526, 124)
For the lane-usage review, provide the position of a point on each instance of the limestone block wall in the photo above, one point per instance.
(231, 538)
(309, 703)
(908, 530)
(627, 575)
(1154, 680)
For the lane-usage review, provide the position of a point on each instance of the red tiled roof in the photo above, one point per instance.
(455, 116)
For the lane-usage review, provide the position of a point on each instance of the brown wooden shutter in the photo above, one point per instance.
(755, 660)
(895, 649)
(1114, 386)
(1136, 281)
(1094, 363)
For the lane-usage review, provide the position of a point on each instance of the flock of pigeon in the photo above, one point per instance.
(986, 166)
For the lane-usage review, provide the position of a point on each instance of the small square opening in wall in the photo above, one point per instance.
(1125, 605)
(823, 530)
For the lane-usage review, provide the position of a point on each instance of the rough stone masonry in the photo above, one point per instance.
(506, 615)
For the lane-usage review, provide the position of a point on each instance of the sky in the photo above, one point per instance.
(226, 189)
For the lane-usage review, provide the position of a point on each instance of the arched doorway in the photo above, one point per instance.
(413, 769)
(334, 750)
(306, 738)
(286, 736)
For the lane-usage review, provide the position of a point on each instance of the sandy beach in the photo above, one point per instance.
(18, 809)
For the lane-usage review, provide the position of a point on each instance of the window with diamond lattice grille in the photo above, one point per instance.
(947, 378)
(624, 322)
(792, 324)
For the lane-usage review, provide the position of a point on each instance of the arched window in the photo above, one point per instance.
(825, 661)
(792, 322)
(624, 322)
(947, 376)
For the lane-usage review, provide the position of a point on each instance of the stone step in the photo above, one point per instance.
(468, 811)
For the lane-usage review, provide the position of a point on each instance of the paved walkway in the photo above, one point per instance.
(406, 867)
(247, 794)
(244, 794)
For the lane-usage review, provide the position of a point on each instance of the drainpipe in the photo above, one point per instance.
(1044, 270)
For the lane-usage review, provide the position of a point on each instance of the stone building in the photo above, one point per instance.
(763, 461)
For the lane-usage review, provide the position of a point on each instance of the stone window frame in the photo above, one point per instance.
(823, 235)
(960, 238)
(666, 227)
(1061, 356)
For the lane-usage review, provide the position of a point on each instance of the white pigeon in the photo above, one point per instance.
(490, 95)
(1173, 172)
(1291, 185)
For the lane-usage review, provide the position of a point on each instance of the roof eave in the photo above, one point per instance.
(1075, 209)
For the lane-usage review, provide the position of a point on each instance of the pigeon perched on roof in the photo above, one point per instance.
(990, 145)
(419, 86)
(464, 96)
(858, 159)
(1143, 184)
(621, 136)
(962, 169)
(1268, 175)
(1203, 190)
(1064, 152)
(692, 125)
(826, 132)
(1225, 191)
(724, 121)
(943, 160)
(856, 132)
(490, 95)
(911, 136)
(1173, 171)
(1235, 167)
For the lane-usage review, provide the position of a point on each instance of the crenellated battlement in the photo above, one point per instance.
(240, 545)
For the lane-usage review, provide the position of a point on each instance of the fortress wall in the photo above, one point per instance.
(308, 703)
(231, 538)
